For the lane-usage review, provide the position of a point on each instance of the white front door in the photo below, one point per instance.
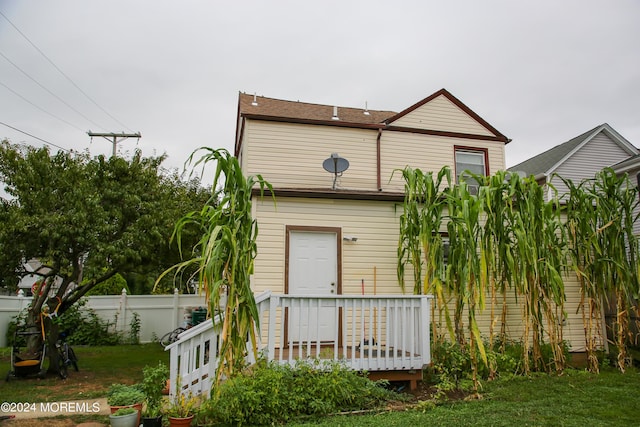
(313, 270)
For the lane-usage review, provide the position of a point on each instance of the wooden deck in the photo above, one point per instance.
(396, 346)
(412, 376)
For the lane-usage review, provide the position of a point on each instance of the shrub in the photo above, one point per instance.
(273, 393)
(111, 286)
(86, 326)
(451, 362)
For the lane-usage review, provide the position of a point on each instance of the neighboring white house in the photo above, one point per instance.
(579, 158)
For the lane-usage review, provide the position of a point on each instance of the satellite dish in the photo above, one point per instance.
(335, 165)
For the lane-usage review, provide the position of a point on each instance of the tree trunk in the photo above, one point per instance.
(35, 342)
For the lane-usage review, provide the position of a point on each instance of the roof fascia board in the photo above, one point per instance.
(622, 141)
(380, 126)
(500, 138)
(239, 131)
(313, 193)
(627, 168)
(313, 122)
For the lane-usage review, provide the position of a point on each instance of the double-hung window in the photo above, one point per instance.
(472, 160)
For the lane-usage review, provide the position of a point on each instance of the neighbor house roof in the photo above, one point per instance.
(627, 165)
(546, 163)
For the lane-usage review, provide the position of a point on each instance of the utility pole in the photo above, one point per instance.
(115, 138)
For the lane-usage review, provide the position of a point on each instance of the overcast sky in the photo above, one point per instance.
(541, 72)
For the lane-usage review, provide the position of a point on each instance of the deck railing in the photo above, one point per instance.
(373, 333)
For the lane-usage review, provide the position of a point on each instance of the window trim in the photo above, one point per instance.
(476, 150)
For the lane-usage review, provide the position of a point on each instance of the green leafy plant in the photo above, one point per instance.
(153, 382)
(124, 395)
(124, 411)
(182, 405)
(224, 257)
(274, 394)
(134, 329)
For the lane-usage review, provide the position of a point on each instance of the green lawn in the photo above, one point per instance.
(575, 399)
(99, 368)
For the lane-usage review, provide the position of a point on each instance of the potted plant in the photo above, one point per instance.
(181, 409)
(125, 396)
(124, 417)
(154, 379)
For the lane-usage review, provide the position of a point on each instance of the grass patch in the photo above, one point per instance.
(99, 368)
(574, 399)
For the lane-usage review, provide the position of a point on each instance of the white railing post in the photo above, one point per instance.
(271, 328)
(425, 308)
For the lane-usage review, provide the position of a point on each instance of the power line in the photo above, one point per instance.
(40, 108)
(33, 136)
(63, 74)
(50, 92)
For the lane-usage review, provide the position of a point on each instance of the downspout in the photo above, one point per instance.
(378, 172)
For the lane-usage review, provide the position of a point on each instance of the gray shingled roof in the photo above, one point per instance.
(543, 162)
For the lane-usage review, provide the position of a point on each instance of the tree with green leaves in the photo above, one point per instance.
(84, 219)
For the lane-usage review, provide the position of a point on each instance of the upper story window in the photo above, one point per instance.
(473, 160)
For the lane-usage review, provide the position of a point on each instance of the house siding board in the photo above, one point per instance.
(573, 330)
(442, 115)
(591, 158)
(428, 153)
(375, 225)
(291, 155)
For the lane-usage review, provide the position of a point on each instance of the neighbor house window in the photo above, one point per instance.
(472, 160)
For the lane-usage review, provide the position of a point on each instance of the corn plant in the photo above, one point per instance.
(224, 256)
(492, 250)
(540, 258)
(467, 278)
(420, 243)
(604, 255)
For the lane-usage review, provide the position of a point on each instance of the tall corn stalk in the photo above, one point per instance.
(420, 243)
(539, 249)
(224, 257)
(496, 196)
(467, 272)
(604, 251)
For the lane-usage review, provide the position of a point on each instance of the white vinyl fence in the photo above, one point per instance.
(159, 314)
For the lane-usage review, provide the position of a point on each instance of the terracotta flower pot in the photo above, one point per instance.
(180, 421)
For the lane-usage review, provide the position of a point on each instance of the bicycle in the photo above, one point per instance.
(66, 355)
(171, 337)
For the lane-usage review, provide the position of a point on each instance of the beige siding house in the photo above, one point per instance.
(325, 239)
